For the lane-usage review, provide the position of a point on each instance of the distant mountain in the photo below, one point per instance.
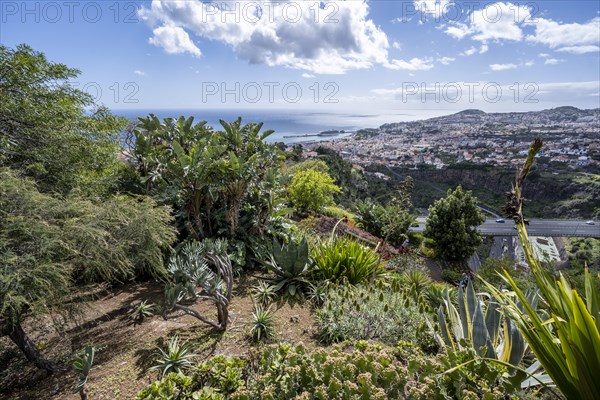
(558, 115)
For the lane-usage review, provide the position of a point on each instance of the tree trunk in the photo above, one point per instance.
(20, 338)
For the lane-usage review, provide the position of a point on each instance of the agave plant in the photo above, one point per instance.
(82, 364)
(478, 326)
(263, 321)
(567, 344)
(263, 293)
(141, 311)
(176, 357)
(289, 263)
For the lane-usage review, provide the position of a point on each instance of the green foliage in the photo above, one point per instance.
(221, 183)
(49, 244)
(177, 356)
(341, 372)
(317, 293)
(82, 364)
(340, 259)
(290, 263)
(452, 223)
(52, 131)
(478, 325)
(491, 270)
(171, 386)
(372, 313)
(201, 270)
(141, 311)
(311, 190)
(451, 276)
(567, 344)
(263, 293)
(263, 323)
(391, 221)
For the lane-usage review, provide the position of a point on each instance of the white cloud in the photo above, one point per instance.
(469, 52)
(552, 61)
(580, 49)
(436, 8)
(139, 72)
(174, 40)
(484, 48)
(502, 67)
(414, 64)
(445, 60)
(496, 21)
(396, 45)
(285, 34)
(307, 76)
(529, 64)
(567, 36)
(544, 55)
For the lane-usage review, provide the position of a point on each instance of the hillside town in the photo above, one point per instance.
(572, 138)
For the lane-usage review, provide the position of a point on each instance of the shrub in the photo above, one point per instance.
(343, 260)
(370, 312)
(451, 276)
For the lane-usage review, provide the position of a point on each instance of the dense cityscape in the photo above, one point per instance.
(572, 138)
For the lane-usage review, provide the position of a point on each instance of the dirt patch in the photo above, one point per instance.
(125, 350)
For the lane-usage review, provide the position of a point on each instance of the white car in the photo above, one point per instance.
(590, 222)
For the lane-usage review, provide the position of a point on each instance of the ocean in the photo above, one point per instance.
(290, 126)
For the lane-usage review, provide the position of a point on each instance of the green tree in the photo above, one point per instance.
(452, 223)
(50, 245)
(50, 130)
(311, 190)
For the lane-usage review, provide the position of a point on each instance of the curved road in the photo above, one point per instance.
(536, 227)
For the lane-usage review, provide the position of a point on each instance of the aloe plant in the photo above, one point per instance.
(289, 262)
(479, 326)
(567, 344)
(82, 364)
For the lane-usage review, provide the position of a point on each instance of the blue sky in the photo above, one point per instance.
(421, 58)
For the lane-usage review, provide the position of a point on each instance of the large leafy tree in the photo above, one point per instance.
(60, 224)
(50, 245)
(452, 223)
(311, 190)
(50, 130)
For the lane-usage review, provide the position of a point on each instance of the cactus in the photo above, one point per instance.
(476, 326)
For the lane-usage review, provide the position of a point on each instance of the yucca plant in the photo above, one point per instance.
(567, 344)
(477, 325)
(82, 364)
(263, 293)
(176, 357)
(341, 259)
(141, 311)
(290, 263)
(263, 323)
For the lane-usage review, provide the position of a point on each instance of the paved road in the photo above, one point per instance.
(537, 227)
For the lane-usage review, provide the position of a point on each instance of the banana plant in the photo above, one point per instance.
(289, 262)
(481, 327)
